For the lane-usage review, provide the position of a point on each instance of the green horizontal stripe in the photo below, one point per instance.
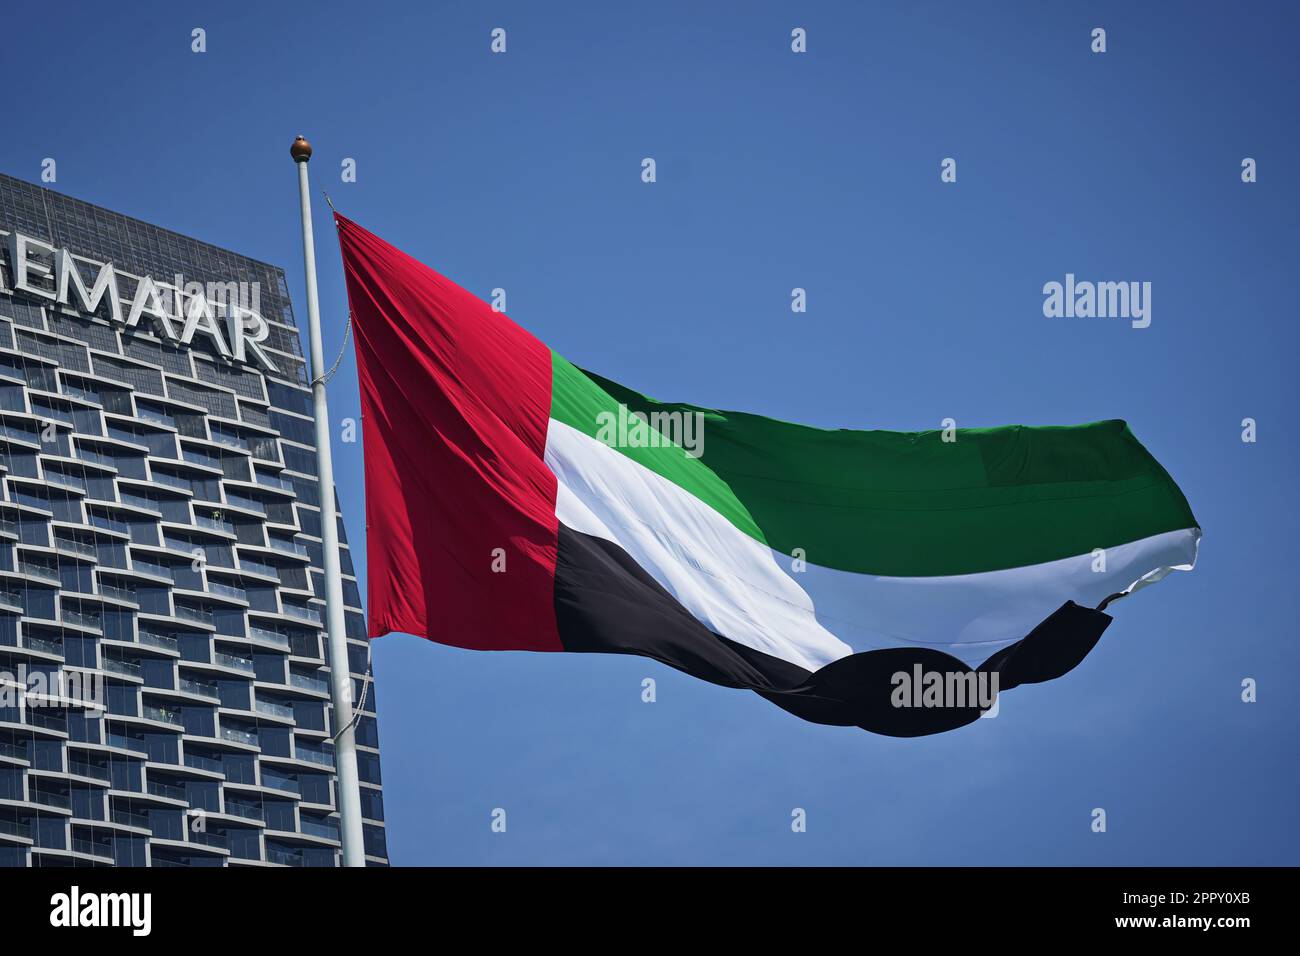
(901, 503)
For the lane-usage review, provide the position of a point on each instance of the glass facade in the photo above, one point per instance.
(164, 684)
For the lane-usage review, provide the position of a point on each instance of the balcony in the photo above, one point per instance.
(41, 644)
(235, 663)
(279, 781)
(83, 768)
(321, 757)
(214, 839)
(296, 548)
(90, 848)
(47, 719)
(163, 715)
(190, 612)
(238, 736)
(258, 567)
(48, 798)
(199, 688)
(274, 481)
(142, 565)
(248, 504)
(249, 811)
(216, 587)
(198, 456)
(141, 502)
(172, 481)
(159, 789)
(164, 641)
(273, 709)
(302, 613)
(16, 829)
(305, 646)
(121, 594)
(274, 638)
(124, 742)
(214, 524)
(126, 668)
(109, 523)
(317, 684)
(283, 857)
(128, 818)
(328, 831)
(157, 418)
(229, 441)
(200, 762)
(84, 548)
(37, 570)
(86, 453)
(80, 619)
(17, 751)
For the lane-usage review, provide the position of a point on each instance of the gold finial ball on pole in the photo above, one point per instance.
(300, 150)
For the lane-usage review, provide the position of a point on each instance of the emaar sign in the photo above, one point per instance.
(236, 328)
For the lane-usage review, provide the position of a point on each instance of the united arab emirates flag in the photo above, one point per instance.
(515, 501)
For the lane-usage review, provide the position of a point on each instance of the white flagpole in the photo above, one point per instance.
(345, 752)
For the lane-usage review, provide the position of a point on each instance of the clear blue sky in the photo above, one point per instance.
(522, 171)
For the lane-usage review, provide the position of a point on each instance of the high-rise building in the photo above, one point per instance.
(164, 678)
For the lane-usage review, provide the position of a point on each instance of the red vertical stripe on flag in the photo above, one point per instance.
(455, 400)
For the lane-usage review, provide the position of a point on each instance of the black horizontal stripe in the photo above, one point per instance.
(606, 603)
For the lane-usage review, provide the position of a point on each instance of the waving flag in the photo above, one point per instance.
(518, 502)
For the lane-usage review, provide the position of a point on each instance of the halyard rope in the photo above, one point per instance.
(325, 379)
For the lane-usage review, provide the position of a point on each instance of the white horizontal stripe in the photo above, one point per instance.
(745, 591)
(727, 580)
(972, 616)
